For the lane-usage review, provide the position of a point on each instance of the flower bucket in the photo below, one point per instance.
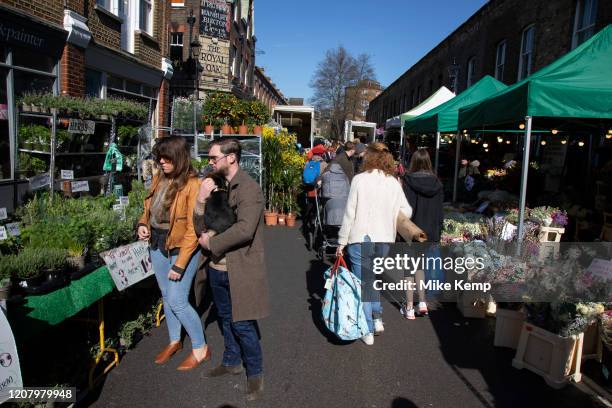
(271, 218)
(226, 129)
(209, 129)
(591, 346)
(282, 218)
(508, 327)
(243, 130)
(550, 234)
(557, 359)
(257, 130)
(291, 220)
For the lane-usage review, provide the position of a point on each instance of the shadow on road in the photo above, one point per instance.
(400, 402)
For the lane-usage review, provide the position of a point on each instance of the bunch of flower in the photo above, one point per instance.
(549, 216)
(493, 173)
(606, 328)
(563, 318)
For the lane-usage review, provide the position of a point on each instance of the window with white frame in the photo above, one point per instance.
(500, 60)
(526, 56)
(145, 16)
(177, 3)
(471, 72)
(114, 6)
(234, 57)
(584, 22)
(176, 47)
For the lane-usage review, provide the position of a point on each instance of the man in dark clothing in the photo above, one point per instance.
(344, 160)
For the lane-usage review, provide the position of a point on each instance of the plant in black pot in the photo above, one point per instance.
(76, 255)
(28, 269)
(55, 262)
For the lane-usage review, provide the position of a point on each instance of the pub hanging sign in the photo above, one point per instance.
(215, 19)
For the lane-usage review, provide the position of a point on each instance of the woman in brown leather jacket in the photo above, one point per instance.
(167, 224)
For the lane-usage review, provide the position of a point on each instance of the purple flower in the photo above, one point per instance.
(559, 218)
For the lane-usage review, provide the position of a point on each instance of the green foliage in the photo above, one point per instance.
(126, 134)
(130, 329)
(85, 107)
(30, 165)
(258, 113)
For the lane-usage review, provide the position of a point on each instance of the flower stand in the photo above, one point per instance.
(508, 327)
(472, 303)
(557, 359)
(550, 234)
(591, 346)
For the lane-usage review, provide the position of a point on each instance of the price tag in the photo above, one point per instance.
(67, 174)
(40, 181)
(124, 200)
(118, 207)
(3, 234)
(3, 215)
(328, 284)
(13, 229)
(80, 186)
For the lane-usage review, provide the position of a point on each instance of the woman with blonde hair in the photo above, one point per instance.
(369, 224)
(167, 224)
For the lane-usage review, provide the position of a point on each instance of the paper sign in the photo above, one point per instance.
(67, 174)
(84, 127)
(600, 268)
(128, 264)
(124, 200)
(13, 229)
(508, 231)
(3, 234)
(118, 207)
(80, 186)
(10, 372)
(3, 215)
(40, 181)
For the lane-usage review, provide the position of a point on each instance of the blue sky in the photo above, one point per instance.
(296, 34)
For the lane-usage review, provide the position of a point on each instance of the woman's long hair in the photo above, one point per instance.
(420, 161)
(378, 157)
(175, 150)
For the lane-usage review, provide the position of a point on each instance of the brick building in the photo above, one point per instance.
(358, 97)
(507, 39)
(266, 91)
(225, 31)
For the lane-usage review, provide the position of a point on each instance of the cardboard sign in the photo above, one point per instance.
(84, 127)
(124, 200)
(67, 174)
(128, 264)
(13, 229)
(3, 234)
(80, 186)
(3, 215)
(40, 181)
(10, 371)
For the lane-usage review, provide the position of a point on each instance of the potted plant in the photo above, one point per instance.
(76, 255)
(5, 279)
(242, 114)
(259, 114)
(26, 102)
(28, 268)
(55, 262)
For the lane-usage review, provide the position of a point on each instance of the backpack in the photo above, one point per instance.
(311, 172)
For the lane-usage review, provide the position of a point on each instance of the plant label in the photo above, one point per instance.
(118, 207)
(78, 186)
(124, 200)
(67, 174)
(3, 215)
(3, 234)
(40, 181)
(128, 264)
(13, 229)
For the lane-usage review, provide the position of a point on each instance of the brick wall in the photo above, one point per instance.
(72, 80)
(51, 11)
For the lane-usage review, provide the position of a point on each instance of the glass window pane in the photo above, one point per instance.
(27, 58)
(26, 82)
(93, 83)
(2, 53)
(5, 151)
(34, 144)
(133, 87)
(114, 82)
(148, 91)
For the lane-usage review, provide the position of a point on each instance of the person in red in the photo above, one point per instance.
(314, 155)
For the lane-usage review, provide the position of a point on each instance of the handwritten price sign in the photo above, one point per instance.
(128, 264)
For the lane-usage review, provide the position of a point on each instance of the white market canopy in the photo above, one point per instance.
(351, 125)
(437, 98)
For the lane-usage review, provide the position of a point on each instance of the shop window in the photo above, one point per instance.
(114, 82)
(148, 91)
(93, 83)
(5, 145)
(471, 72)
(146, 16)
(526, 56)
(133, 87)
(500, 60)
(27, 58)
(584, 22)
(26, 82)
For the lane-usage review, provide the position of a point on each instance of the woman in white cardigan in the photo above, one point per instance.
(374, 202)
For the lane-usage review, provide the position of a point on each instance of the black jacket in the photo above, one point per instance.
(347, 165)
(425, 194)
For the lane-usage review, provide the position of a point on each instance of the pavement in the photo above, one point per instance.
(443, 360)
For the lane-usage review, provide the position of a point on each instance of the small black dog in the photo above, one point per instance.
(218, 215)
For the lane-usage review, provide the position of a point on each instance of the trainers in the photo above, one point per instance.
(379, 328)
(368, 339)
(423, 309)
(409, 313)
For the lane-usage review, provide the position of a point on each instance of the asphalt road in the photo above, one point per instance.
(440, 361)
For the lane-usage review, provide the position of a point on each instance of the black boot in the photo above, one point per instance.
(255, 386)
(222, 370)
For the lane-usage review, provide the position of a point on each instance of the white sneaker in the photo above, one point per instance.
(423, 309)
(408, 313)
(379, 328)
(368, 339)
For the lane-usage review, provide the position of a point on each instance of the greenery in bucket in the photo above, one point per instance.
(28, 264)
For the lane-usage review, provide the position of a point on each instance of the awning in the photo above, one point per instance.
(437, 98)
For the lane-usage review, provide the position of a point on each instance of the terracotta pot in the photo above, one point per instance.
(271, 218)
(243, 130)
(257, 130)
(291, 220)
(209, 129)
(282, 219)
(226, 129)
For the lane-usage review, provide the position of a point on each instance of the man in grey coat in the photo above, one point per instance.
(236, 270)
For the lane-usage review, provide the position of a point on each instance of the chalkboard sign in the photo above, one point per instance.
(128, 264)
(215, 19)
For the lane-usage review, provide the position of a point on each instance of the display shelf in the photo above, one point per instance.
(33, 151)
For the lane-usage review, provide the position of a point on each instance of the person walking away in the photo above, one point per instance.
(374, 202)
(357, 157)
(167, 224)
(237, 272)
(313, 169)
(425, 195)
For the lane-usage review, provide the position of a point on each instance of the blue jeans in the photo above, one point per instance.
(360, 256)
(177, 308)
(240, 338)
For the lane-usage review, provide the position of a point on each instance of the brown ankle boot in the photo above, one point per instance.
(192, 362)
(168, 352)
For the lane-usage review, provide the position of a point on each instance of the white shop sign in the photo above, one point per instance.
(84, 127)
(40, 181)
(128, 264)
(10, 372)
(67, 174)
(78, 186)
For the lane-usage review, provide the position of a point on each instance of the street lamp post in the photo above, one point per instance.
(194, 54)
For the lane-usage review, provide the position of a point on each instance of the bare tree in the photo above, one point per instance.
(337, 71)
(355, 98)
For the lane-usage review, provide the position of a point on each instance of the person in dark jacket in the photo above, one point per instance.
(425, 195)
(344, 159)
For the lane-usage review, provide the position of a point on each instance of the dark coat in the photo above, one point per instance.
(346, 163)
(243, 246)
(425, 195)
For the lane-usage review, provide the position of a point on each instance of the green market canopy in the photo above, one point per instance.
(444, 118)
(577, 85)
